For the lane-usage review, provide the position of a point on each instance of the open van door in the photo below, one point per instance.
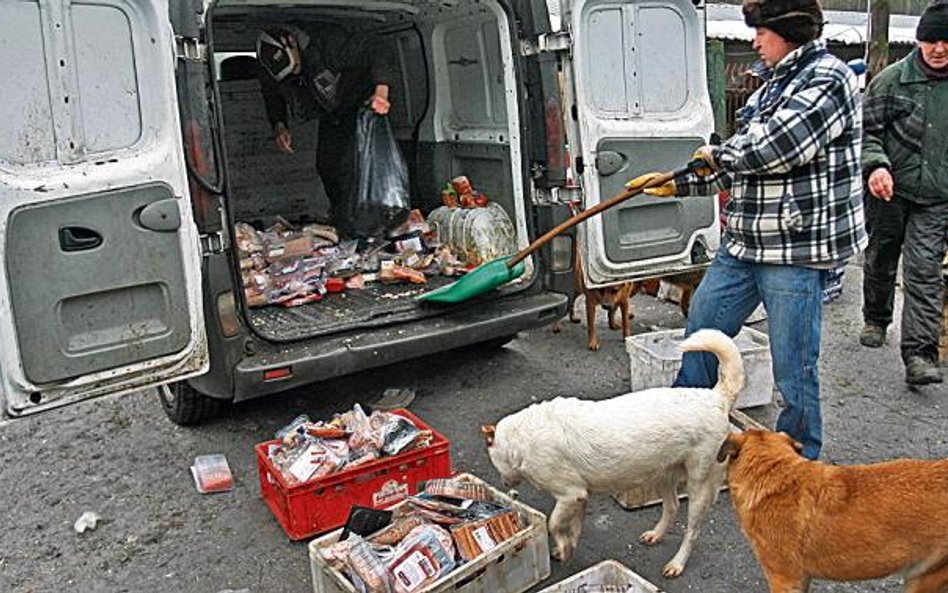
(100, 283)
(641, 104)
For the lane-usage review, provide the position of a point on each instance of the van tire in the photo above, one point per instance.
(186, 406)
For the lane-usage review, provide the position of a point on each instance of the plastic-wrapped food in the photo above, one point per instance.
(452, 488)
(319, 458)
(247, 239)
(398, 433)
(322, 231)
(415, 224)
(367, 570)
(421, 558)
(362, 437)
(295, 427)
(396, 531)
(473, 538)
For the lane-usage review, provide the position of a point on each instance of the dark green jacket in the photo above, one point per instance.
(905, 125)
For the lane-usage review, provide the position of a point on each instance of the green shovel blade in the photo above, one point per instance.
(478, 281)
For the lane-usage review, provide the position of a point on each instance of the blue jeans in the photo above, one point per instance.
(792, 296)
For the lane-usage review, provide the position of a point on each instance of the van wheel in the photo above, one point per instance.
(186, 406)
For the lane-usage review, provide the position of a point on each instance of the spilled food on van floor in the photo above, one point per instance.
(300, 277)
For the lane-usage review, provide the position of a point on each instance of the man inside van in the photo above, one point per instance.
(327, 73)
(795, 210)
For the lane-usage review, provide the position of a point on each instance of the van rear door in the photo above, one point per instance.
(641, 104)
(100, 283)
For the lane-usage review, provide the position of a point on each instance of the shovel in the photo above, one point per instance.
(497, 272)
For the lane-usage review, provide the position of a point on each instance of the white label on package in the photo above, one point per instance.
(483, 539)
(303, 468)
(413, 571)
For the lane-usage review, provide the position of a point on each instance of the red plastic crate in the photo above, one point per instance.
(307, 509)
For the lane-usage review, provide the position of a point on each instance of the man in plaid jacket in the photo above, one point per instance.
(795, 211)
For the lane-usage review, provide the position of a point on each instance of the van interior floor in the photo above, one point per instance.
(376, 304)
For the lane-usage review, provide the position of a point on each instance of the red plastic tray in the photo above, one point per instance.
(311, 508)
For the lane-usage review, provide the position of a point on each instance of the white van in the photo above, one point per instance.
(134, 138)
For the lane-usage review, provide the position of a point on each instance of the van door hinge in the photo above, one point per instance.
(212, 243)
(190, 49)
(549, 42)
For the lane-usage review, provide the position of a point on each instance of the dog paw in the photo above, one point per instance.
(562, 553)
(556, 327)
(651, 537)
(672, 570)
(594, 345)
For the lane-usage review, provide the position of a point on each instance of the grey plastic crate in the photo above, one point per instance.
(512, 567)
(654, 360)
(609, 576)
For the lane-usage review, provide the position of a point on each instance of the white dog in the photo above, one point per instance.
(653, 438)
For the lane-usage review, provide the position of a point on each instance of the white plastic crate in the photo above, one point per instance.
(655, 359)
(608, 576)
(512, 567)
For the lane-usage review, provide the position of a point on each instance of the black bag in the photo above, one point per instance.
(379, 200)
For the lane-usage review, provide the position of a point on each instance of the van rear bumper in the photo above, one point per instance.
(317, 360)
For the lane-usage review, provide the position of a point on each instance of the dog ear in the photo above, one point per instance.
(488, 430)
(731, 446)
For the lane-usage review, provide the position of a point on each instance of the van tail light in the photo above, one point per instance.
(227, 314)
(201, 201)
(562, 248)
(277, 373)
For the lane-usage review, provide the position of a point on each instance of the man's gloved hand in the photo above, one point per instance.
(704, 154)
(665, 190)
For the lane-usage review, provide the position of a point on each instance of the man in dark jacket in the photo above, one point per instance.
(905, 160)
(326, 72)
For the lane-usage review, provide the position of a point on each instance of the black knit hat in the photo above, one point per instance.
(933, 24)
(797, 21)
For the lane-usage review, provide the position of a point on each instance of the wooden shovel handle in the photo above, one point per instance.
(622, 196)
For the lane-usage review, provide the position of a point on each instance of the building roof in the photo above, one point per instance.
(725, 21)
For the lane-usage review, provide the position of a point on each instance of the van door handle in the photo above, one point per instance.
(609, 162)
(78, 238)
(161, 216)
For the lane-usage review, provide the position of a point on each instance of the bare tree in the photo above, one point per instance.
(878, 36)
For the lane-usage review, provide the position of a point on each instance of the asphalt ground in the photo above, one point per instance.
(122, 459)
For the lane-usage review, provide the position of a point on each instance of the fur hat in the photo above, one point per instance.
(797, 21)
(933, 24)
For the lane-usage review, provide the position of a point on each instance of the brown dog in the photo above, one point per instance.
(611, 298)
(686, 282)
(810, 520)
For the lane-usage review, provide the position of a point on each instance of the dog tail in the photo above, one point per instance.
(731, 366)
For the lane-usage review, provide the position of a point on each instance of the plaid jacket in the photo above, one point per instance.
(793, 166)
